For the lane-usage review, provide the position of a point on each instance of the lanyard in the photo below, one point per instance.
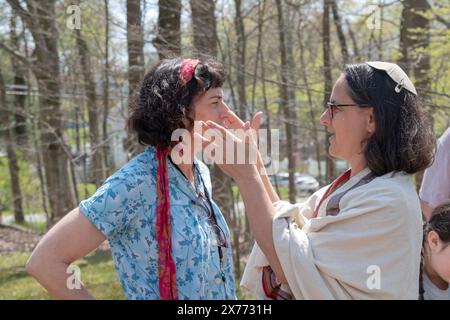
(334, 185)
(204, 195)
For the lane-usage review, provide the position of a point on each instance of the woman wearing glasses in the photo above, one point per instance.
(360, 237)
(167, 236)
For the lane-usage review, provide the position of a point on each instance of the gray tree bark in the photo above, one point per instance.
(284, 102)
(204, 27)
(136, 66)
(13, 164)
(168, 40)
(40, 19)
(96, 150)
(330, 167)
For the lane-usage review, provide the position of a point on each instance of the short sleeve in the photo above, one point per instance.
(113, 206)
(435, 188)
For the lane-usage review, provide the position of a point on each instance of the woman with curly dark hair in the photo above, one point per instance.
(168, 238)
(359, 237)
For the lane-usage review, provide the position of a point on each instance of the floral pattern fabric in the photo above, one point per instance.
(124, 210)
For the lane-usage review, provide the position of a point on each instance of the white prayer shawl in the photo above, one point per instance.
(377, 235)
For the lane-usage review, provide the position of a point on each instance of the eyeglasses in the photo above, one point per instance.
(331, 107)
(221, 240)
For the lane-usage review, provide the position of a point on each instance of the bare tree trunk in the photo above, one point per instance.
(204, 26)
(13, 164)
(78, 146)
(284, 102)
(405, 38)
(421, 36)
(84, 151)
(41, 21)
(19, 138)
(261, 10)
(227, 58)
(168, 40)
(292, 84)
(106, 92)
(136, 66)
(260, 53)
(98, 169)
(240, 60)
(20, 128)
(380, 33)
(315, 131)
(36, 137)
(330, 172)
(414, 43)
(356, 55)
(340, 31)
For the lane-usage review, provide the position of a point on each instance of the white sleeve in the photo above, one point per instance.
(435, 188)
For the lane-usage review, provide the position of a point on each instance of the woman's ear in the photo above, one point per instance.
(371, 122)
(433, 241)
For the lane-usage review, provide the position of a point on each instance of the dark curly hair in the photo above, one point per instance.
(403, 138)
(439, 223)
(162, 102)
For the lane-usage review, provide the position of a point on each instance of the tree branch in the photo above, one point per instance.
(442, 20)
(20, 57)
(22, 12)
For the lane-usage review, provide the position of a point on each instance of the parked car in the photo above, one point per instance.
(304, 183)
(282, 179)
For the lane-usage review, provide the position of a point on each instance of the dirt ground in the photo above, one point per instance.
(13, 239)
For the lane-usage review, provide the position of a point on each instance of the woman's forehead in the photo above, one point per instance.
(209, 94)
(340, 91)
(214, 92)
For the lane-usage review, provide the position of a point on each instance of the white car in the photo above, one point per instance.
(306, 184)
(282, 179)
(303, 183)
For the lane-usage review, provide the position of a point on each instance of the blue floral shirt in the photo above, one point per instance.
(124, 210)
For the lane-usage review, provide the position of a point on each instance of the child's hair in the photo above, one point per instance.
(439, 223)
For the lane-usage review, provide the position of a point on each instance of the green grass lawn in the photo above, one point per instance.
(97, 273)
(284, 192)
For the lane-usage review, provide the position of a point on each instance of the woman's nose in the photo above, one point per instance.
(325, 118)
(224, 108)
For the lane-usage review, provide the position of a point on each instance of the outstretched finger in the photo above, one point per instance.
(226, 134)
(231, 120)
(256, 121)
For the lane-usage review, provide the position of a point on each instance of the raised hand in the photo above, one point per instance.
(220, 139)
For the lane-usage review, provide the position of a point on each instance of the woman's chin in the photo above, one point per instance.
(333, 153)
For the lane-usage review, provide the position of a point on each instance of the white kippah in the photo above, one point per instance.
(395, 73)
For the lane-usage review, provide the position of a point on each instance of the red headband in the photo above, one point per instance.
(187, 70)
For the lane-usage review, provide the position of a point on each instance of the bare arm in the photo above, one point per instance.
(273, 196)
(258, 197)
(73, 237)
(234, 122)
(260, 212)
